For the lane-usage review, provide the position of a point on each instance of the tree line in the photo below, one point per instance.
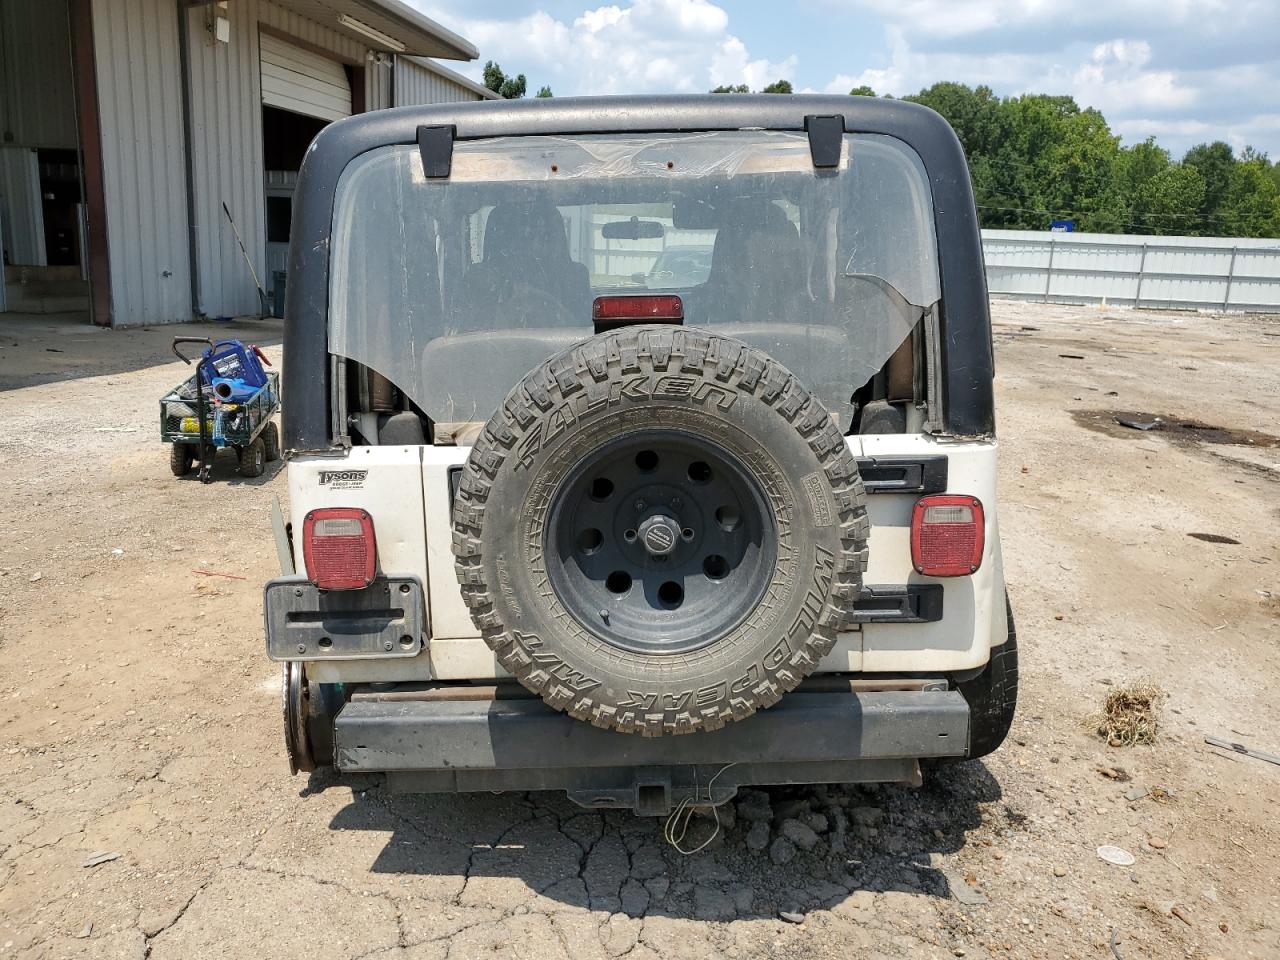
(509, 88)
(1036, 158)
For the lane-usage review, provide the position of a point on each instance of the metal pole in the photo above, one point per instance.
(1048, 273)
(262, 294)
(188, 161)
(1231, 272)
(1142, 265)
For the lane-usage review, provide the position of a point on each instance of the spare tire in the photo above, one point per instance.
(660, 531)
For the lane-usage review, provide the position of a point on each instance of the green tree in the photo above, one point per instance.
(1012, 186)
(1275, 174)
(778, 86)
(1034, 158)
(1081, 172)
(1251, 201)
(972, 113)
(509, 88)
(544, 92)
(1161, 196)
(1001, 182)
(1214, 161)
(862, 91)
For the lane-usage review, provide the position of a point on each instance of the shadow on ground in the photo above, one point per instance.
(37, 348)
(780, 849)
(226, 470)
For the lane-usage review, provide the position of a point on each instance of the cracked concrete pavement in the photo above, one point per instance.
(140, 716)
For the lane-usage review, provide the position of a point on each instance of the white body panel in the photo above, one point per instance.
(973, 618)
(457, 652)
(390, 489)
(408, 494)
(450, 618)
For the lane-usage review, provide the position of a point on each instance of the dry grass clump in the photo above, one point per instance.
(1131, 714)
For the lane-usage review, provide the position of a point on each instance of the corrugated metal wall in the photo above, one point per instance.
(37, 103)
(20, 211)
(226, 152)
(377, 84)
(1216, 273)
(417, 84)
(226, 122)
(140, 107)
(136, 46)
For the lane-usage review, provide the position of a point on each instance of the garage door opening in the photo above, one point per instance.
(302, 91)
(285, 138)
(43, 216)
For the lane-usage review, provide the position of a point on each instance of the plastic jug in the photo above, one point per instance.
(232, 360)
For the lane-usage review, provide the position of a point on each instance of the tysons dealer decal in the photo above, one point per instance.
(343, 479)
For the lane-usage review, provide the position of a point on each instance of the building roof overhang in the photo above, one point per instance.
(386, 25)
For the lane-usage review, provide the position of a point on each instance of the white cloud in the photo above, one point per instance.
(1116, 78)
(1045, 19)
(909, 69)
(1181, 70)
(1256, 131)
(642, 46)
(890, 79)
(1115, 75)
(732, 65)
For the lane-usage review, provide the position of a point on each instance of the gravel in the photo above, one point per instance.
(782, 851)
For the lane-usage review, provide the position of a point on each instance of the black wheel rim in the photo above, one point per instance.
(660, 542)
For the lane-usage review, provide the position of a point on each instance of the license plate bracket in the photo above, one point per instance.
(387, 619)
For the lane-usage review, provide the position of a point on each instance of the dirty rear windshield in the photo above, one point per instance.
(455, 288)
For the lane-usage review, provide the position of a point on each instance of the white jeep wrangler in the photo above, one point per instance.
(567, 513)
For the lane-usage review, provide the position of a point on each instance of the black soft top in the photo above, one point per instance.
(965, 387)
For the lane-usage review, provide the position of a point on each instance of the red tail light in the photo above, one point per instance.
(947, 534)
(658, 307)
(339, 549)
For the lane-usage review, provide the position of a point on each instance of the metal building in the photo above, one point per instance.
(126, 125)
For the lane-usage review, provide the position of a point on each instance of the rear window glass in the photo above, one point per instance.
(455, 288)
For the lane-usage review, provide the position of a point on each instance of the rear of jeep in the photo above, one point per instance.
(640, 448)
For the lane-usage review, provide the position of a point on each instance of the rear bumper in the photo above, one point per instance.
(455, 746)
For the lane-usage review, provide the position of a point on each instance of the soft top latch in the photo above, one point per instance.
(826, 134)
(436, 146)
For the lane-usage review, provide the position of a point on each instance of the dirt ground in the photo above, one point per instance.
(141, 719)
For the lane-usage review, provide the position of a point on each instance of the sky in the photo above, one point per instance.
(1183, 71)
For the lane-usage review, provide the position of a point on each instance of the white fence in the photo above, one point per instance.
(1201, 273)
(1190, 273)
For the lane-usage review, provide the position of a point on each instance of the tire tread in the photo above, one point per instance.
(727, 363)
